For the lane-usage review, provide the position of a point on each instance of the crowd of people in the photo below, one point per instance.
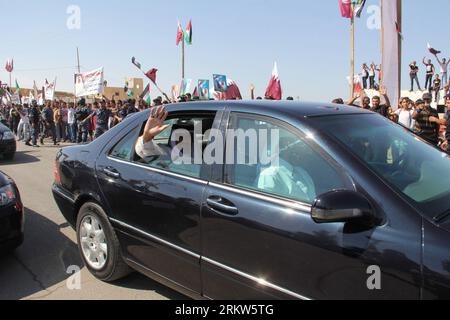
(83, 122)
(69, 122)
(417, 116)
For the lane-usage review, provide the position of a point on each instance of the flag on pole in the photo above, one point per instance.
(358, 6)
(351, 8)
(346, 8)
(180, 33)
(146, 95)
(17, 87)
(432, 50)
(35, 90)
(357, 87)
(9, 65)
(188, 33)
(151, 74)
(274, 89)
(137, 64)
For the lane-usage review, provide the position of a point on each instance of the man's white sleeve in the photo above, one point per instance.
(149, 149)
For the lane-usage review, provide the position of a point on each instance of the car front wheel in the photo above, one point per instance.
(98, 244)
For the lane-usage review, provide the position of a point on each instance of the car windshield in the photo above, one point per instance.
(416, 169)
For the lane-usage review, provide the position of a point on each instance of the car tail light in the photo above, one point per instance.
(56, 172)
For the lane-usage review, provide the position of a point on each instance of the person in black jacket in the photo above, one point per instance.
(49, 123)
(35, 117)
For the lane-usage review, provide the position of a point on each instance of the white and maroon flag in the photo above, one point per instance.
(274, 89)
(346, 8)
(9, 66)
(180, 33)
(391, 52)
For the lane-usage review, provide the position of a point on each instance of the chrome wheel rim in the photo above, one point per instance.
(93, 242)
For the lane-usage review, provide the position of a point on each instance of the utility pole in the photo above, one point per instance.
(78, 61)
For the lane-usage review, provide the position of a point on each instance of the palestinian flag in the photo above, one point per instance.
(17, 87)
(146, 95)
(358, 6)
(188, 33)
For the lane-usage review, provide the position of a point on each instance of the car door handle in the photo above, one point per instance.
(111, 173)
(222, 206)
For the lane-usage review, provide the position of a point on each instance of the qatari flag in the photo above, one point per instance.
(346, 8)
(233, 92)
(274, 89)
(151, 74)
(9, 65)
(433, 50)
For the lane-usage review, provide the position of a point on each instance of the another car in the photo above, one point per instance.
(11, 215)
(8, 144)
(356, 207)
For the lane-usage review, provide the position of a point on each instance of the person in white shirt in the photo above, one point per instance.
(23, 130)
(71, 123)
(405, 114)
(444, 69)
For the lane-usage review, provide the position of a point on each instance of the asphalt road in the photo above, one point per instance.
(38, 269)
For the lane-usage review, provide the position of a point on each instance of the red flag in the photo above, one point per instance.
(151, 74)
(9, 66)
(274, 89)
(346, 8)
(180, 33)
(233, 92)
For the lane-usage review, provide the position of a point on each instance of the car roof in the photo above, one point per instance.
(288, 108)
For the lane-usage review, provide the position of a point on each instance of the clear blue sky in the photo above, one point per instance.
(242, 39)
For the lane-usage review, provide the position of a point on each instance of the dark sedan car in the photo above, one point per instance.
(303, 201)
(7, 143)
(11, 215)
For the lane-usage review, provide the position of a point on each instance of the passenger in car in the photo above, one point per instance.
(288, 178)
(145, 146)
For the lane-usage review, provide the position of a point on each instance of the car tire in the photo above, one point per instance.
(109, 265)
(9, 156)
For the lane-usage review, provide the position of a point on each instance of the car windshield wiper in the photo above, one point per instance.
(441, 216)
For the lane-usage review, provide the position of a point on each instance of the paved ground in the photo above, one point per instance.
(38, 270)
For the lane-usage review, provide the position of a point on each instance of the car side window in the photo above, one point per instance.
(177, 159)
(296, 170)
(124, 149)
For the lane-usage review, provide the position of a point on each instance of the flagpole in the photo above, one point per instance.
(352, 60)
(182, 58)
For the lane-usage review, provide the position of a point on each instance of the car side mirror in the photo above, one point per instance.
(343, 206)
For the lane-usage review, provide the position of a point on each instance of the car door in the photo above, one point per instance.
(260, 242)
(155, 204)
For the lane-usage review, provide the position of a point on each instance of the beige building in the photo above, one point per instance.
(136, 85)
